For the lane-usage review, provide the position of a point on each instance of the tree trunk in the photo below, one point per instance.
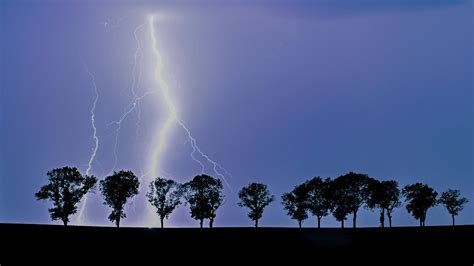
(211, 221)
(161, 221)
(319, 222)
(382, 218)
(453, 218)
(65, 222)
(342, 223)
(256, 223)
(389, 218)
(354, 219)
(421, 224)
(299, 223)
(117, 222)
(200, 223)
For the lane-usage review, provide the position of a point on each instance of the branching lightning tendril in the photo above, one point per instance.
(81, 217)
(134, 104)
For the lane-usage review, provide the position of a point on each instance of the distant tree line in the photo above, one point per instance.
(341, 197)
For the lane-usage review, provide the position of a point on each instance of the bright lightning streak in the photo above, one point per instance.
(80, 217)
(165, 92)
(173, 117)
(94, 128)
(162, 134)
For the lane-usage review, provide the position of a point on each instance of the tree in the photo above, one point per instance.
(420, 198)
(340, 213)
(215, 199)
(376, 197)
(204, 196)
(116, 190)
(349, 192)
(255, 197)
(319, 203)
(165, 195)
(339, 204)
(296, 202)
(453, 202)
(392, 200)
(66, 187)
(384, 195)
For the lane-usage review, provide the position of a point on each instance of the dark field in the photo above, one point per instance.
(42, 242)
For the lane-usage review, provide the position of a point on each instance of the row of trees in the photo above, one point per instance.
(348, 193)
(66, 187)
(204, 195)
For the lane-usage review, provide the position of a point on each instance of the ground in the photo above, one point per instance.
(44, 242)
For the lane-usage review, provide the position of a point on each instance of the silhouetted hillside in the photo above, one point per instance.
(43, 241)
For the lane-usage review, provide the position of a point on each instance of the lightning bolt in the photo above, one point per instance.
(81, 216)
(162, 136)
(134, 104)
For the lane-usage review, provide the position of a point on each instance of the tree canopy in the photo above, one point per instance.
(349, 193)
(165, 196)
(453, 202)
(66, 187)
(296, 203)
(384, 195)
(256, 197)
(319, 203)
(204, 195)
(116, 190)
(420, 198)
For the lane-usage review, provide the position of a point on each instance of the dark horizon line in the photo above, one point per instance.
(235, 227)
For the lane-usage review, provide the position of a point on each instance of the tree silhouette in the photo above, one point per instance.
(165, 195)
(116, 190)
(204, 196)
(420, 198)
(296, 203)
(66, 187)
(392, 200)
(350, 192)
(339, 204)
(376, 197)
(453, 202)
(256, 197)
(216, 198)
(384, 195)
(319, 202)
(340, 212)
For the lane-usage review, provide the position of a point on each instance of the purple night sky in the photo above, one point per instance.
(274, 91)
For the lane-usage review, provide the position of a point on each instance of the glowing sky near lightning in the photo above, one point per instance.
(275, 93)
